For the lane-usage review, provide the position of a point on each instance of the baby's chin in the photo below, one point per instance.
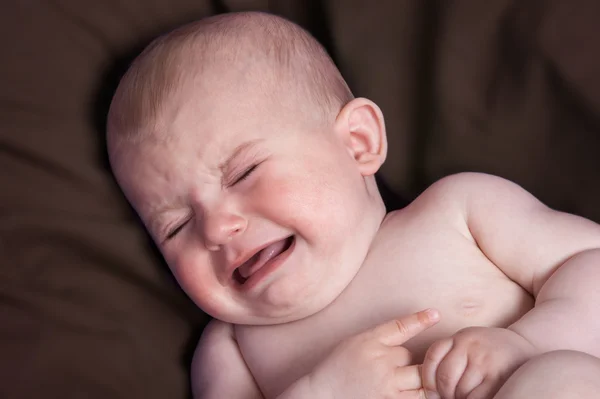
(301, 309)
(270, 320)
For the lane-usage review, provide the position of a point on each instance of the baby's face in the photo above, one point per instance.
(258, 211)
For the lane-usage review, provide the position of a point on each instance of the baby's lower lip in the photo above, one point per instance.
(268, 267)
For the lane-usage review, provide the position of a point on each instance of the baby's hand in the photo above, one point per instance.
(372, 364)
(474, 363)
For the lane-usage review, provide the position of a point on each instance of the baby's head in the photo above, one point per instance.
(243, 151)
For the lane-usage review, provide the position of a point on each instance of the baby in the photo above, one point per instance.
(252, 166)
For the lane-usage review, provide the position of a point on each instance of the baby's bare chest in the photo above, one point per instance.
(398, 278)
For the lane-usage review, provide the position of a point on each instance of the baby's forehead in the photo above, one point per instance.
(210, 134)
(234, 110)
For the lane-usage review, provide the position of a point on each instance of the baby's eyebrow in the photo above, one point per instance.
(237, 151)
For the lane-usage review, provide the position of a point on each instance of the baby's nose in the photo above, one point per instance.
(221, 227)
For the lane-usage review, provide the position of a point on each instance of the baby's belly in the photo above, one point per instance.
(279, 355)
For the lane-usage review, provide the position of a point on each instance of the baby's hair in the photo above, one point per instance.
(164, 69)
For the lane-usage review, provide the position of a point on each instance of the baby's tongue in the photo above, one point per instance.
(262, 257)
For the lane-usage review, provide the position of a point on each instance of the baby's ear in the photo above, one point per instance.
(361, 127)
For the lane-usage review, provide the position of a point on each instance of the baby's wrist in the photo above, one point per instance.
(532, 349)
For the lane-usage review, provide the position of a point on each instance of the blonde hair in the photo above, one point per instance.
(162, 70)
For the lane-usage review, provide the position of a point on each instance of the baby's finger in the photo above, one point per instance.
(449, 373)
(400, 356)
(408, 378)
(471, 378)
(397, 332)
(434, 356)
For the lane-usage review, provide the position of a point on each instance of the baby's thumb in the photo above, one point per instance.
(398, 331)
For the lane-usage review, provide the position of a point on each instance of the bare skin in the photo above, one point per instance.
(270, 219)
(423, 256)
(420, 258)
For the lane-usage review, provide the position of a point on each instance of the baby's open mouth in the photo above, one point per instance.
(259, 259)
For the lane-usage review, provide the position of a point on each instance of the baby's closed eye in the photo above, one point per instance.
(244, 175)
(173, 232)
(176, 227)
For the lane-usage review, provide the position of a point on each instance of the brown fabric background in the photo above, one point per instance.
(87, 309)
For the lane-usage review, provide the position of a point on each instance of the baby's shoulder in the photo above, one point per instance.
(459, 185)
(218, 350)
(458, 190)
(216, 334)
(448, 201)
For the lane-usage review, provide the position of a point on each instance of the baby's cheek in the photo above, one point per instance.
(296, 193)
(308, 196)
(193, 272)
(275, 189)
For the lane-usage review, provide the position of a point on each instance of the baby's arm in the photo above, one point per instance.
(553, 255)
